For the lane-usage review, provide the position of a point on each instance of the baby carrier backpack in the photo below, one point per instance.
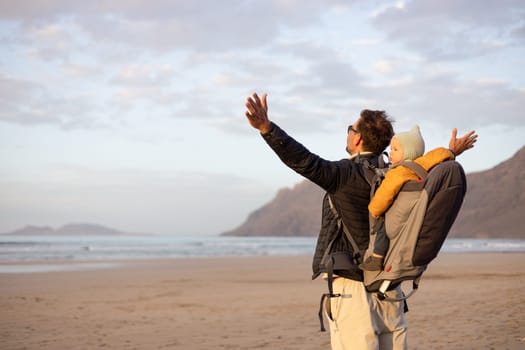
(417, 223)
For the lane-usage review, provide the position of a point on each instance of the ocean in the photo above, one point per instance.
(37, 253)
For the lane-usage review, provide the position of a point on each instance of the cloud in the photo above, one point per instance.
(144, 75)
(15, 97)
(174, 24)
(199, 60)
(457, 28)
(452, 29)
(439, 95)
(80, 71)
(26, 102)
(518, 33)
(446, 99)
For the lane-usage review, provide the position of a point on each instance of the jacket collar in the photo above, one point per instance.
(354, 156)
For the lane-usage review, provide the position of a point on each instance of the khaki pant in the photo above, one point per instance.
(360, 321)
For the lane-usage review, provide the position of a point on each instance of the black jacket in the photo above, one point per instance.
(344, 180)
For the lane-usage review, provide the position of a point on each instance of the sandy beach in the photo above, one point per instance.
(465, 301)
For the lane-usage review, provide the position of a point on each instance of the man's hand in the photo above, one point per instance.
(257, 113)
(462, 144)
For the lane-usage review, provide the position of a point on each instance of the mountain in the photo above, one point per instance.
(67, 230)
(493, 207)
(495, 202)
(293, 212)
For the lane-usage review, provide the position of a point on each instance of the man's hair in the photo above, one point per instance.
(376, 130)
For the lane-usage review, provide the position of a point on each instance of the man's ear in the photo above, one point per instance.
(358, 140)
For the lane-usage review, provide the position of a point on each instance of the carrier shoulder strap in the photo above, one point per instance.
(374, 175)
(418, 169)
(351, 239)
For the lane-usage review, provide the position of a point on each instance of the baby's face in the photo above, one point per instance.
(396, 151)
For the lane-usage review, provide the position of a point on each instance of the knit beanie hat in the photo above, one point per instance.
(412, 142)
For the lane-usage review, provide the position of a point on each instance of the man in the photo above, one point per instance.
(358, 319)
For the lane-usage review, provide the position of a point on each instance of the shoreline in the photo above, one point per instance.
(471, 300)
(73, 250)
(57, 265)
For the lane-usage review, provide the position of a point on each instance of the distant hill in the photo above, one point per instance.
(293, 212)
(67, 230)
(493, 207)
(495, 202)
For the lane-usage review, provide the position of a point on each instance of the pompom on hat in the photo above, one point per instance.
(412, 143)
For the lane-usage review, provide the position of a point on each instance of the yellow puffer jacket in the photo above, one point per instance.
(397, 177)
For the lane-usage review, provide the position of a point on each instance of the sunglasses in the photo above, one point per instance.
(351, 128)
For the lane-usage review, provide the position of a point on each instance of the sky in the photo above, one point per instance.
(130, 113)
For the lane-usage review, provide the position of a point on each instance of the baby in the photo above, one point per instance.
(404, 146)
